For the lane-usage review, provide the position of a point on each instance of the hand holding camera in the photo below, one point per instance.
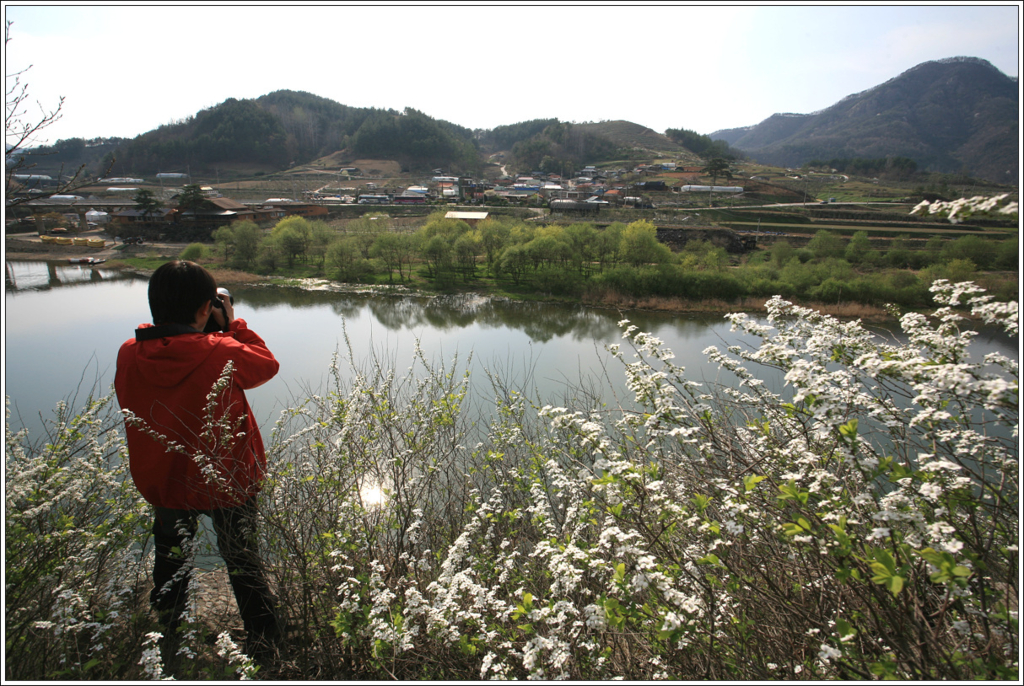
(223, 312)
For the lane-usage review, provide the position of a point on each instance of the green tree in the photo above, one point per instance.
(247, 238)
(466, 248)
(826, 244)
(582, 239)
(191, 199)
(977, 250)
(293, 235)
(1008, 255)
(640, 245)
(514, 261)
(858, 247)
(547, 249)
(716, 167)
(193, 252)
(606, 245)
(493, 235)
(703, 256)
(146, 203)
(291, 243)
(781, 252)
(437, 252)
(395, 250)
(270, 253)
(366, 229)
(345, 255)
(224, 236)
(320, 237)
(898, 255)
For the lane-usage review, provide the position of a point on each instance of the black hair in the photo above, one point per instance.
(177, 289)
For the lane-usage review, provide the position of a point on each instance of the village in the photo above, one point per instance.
(101, 204)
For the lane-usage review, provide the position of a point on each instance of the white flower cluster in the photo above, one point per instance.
(960, 210)
(244, 666)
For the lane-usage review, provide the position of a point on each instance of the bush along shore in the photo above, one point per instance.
(860, 523)
(621, 264)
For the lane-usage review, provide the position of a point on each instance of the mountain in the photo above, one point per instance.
(946, 115)
(285, 128)
(626, 134)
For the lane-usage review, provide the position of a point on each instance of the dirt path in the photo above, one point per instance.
(30, 246)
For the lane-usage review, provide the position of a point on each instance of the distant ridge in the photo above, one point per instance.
(958, 114)
(948, 115)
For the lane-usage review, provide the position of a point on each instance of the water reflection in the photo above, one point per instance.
(541, 322)
(34, 276)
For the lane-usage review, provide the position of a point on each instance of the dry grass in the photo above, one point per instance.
(233, 277)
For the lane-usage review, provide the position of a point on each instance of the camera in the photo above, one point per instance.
(211, 323)
(217, 302)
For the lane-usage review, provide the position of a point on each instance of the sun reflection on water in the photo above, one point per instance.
(372, 495)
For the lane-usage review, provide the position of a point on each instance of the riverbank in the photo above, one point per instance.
(24, 247)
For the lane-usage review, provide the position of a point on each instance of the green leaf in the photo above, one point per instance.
(844, 628)
(700, 501)
(885, 669)
(840, 531)
(948, 569)
(750, 482)
(796, 528)
(885, 571)
(790, 491)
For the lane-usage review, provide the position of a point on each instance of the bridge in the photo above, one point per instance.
(25, 276)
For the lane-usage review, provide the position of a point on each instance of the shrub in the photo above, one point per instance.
(860, 523)
(557, 281)
(74, 532)
(194, 252)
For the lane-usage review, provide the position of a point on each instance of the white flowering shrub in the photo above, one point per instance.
(956, 211)
(860, 522)
(73, 562)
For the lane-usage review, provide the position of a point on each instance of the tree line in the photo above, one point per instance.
(703, 145)
(583, 261)
(562, 147)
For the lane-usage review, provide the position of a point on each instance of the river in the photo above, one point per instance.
(64, 325)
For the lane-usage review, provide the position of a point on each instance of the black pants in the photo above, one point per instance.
(237, 543)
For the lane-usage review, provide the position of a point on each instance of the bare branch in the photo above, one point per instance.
(20, 133)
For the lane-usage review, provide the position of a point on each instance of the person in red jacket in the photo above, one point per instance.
(193, 445)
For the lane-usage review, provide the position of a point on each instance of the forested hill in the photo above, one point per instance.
(285, 128)
(953, 115)
(947, 115)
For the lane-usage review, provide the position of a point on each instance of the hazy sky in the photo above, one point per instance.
(126, 70)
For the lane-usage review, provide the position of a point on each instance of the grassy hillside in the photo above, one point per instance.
(626, 134)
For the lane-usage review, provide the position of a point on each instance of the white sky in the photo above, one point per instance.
(125, 70)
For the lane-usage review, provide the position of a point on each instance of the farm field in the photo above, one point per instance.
(870, 229)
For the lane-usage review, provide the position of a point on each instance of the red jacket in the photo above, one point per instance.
(165, 382)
